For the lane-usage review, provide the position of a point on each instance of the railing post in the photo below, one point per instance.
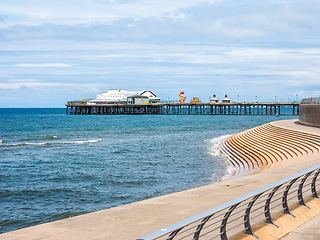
(200, 226)
(223, 228)
(247, 224)
(285, 198)
(300, 197)
(267, 212)
(313, 185)
(174, 233)
(227, 210)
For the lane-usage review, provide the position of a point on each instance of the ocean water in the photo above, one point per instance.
(55, 166)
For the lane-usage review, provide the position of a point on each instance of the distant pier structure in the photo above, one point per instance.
(254, 108)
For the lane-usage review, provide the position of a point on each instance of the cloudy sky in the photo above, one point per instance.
(55, 51)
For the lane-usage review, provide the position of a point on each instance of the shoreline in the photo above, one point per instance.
(137, 219)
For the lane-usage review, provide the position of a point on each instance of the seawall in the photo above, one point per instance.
(270, 146)
(141, 218)
(310, 112)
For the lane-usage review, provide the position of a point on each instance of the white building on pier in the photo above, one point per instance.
(121, 96)
(214, 99)
(226, 99)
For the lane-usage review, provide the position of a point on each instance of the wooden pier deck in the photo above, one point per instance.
(184, 108)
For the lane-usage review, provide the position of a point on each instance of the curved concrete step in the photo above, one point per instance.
(262, 147)
(286, 136)
(308, 139)
(278, 140)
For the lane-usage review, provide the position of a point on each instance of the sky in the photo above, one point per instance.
(52, 52)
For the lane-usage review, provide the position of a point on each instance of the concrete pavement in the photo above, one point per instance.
(308, 231)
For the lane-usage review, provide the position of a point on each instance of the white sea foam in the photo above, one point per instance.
(230, 171)
(215, 150)
(37, 144)
(28, 143)
(48, 143)
(88, 141)
(215, 145)
(82, 142)
(24, 144)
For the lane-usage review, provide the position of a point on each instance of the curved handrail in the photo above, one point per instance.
(217, 222)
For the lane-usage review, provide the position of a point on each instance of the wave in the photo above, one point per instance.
(23, 144)
(215, 145)
(216, 151)
(38, 138)
(81, 142)
(230, 171)
(38, 144)
(52, 137)
(48, 143)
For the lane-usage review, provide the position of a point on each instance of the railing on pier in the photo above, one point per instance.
(184, 108)
(241, 214)
(311, 101)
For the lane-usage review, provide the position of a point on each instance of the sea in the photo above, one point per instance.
(55, 166)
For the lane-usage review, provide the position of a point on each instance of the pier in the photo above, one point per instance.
(254, 108)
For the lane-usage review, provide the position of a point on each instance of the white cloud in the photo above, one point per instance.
(25, 80)
(89, 10)
(164, 21)
(32, 83)
(47, 65)
(28, 83)
(243, 47)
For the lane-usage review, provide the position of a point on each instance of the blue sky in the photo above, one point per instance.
(55, 51)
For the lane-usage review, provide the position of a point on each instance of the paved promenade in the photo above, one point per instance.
(308, 231)
(141, 218)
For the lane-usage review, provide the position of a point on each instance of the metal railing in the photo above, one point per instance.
(310, 101)
(241, 214)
